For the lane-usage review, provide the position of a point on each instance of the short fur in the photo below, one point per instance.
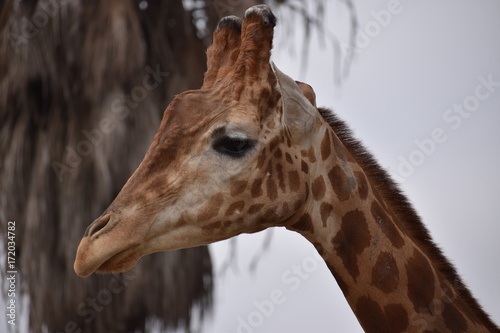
(403, 209)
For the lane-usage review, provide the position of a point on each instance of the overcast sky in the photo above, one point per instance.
(412, 71)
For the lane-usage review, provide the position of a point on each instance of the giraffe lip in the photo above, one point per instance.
(121, 261)
(91, 258)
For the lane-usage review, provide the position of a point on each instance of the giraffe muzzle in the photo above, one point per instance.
(99, 250)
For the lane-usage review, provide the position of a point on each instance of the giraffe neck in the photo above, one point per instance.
(392, 275)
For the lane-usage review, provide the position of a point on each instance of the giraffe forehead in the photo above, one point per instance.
(191, 111)
(210, 110)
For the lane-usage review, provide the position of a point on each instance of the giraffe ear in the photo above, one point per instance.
(308, 92)
(297, 103)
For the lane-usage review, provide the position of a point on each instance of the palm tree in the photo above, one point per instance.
(83, 88)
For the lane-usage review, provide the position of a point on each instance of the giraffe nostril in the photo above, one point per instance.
(97, 225)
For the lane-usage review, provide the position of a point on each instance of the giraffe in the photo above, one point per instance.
(250, 150)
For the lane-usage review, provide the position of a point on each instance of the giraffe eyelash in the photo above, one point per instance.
(235, 147)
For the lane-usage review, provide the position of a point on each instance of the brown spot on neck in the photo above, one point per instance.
(304, 224)
(397, 317)
(362, 185)
(371, 316)
(304, 167)
(421, 282)
(318, 188)
(352, 238)
(385, 273)
(339, 183)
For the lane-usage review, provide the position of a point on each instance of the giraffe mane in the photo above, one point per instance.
(403, 210)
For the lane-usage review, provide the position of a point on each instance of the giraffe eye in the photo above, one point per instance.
(233, 147)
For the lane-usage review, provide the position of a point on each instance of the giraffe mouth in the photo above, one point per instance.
(121, 261)
(113, 261)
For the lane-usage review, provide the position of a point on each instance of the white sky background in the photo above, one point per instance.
(411, 70)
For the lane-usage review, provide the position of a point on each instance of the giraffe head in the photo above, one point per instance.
(224, 160)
